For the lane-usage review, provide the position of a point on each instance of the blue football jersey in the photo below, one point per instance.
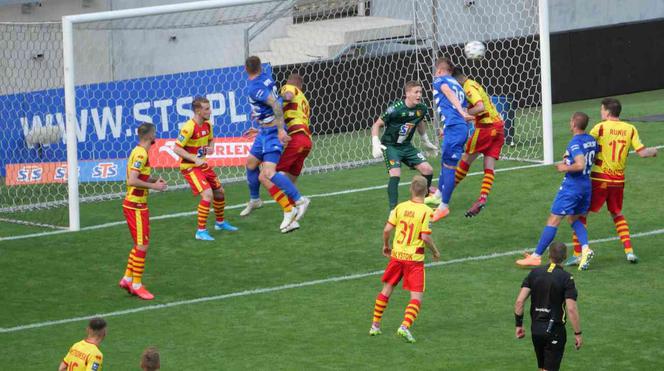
(586, 146)
(259, 90)
(448, 114)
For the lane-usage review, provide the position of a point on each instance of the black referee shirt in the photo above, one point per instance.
(549, 287)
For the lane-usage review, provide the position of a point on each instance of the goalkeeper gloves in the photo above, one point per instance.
(427, 144)
(376, 147)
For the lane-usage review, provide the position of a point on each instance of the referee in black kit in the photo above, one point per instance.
(553, 293)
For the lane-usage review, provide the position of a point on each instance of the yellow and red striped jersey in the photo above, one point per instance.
(194, 139)
(138, 161)
(475, 93)
(411, 220)
(614, 139)
(296, 111)
(84, 356)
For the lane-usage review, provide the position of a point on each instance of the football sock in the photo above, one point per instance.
(379, 307)
(623, 232)
(393, 191)
(461, 171)
(254, 183)
(139, 267)
(448, 184)
(575, 239)
(487, 183)
(283, 183)
(203, 212)
(580, 233)
(412, 310)
(429, 179)
(281, 198)
(219, 206)
(548, 234)
(130, 266)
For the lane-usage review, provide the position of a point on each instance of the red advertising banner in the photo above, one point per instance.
(36, 173)
(229, 151)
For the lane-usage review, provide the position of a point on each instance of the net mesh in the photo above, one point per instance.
(354, 57)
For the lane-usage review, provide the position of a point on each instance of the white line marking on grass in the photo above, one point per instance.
(237, 206)
(284, 287)
(32, 224)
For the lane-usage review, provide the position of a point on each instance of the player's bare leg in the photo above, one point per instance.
(219, 203)
(379, 308)
(203, 212)
(487, 184)
(622, 228)
(253, 172)
(412, 310)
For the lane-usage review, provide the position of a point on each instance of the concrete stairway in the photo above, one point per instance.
(319, 40)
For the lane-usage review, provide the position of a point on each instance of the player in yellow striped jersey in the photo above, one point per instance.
(135, 209)
(614, 138)
(487, 139)
(411, 219)
(85, 355)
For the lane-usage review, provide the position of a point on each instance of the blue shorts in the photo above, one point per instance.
(267, 147)
(454, 141)
(571, 203)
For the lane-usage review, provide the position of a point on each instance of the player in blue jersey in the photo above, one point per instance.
(266, 106)
(573, 198)
(450, 102)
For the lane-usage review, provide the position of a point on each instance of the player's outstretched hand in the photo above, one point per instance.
(520, 333)
(250, 133)
(160, 184)
(387, 252)
(377, 147)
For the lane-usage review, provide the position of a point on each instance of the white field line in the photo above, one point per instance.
(289, 286)
(237, 206)
(32, 224)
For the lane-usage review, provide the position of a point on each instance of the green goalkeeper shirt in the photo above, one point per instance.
(401, 122)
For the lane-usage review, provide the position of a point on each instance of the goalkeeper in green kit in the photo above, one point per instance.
(401, 119)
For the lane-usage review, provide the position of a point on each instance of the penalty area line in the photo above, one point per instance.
(289, 286)
(237, 206)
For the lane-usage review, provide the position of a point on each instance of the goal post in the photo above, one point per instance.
(72, 117)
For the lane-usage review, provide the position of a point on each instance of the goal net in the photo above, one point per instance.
(132, 67)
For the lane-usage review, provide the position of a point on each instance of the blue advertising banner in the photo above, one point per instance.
(109, 113)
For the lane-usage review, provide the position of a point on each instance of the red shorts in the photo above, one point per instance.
(412, 273)
(611, 193)
(487, 139)
(292, 160)
(201, 178)
(138, 221)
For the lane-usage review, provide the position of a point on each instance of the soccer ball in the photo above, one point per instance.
(474, 50)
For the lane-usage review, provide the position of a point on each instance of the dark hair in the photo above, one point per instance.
(198, 103)
(613, 106)
(411, 84)
(444, 61)
(557, 252)
(580, 120)
(253, 64)
(97, 324)
(419, 186)
(144, 129)
(458, 72)
(150, 359)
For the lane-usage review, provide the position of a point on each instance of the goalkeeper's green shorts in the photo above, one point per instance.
(409, 155)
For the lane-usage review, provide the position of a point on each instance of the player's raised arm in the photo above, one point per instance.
(278, 110)
(449, 94)
(376, 146)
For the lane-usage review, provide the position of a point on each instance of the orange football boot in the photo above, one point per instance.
(440, 214)
(530, 261)
(142, 293)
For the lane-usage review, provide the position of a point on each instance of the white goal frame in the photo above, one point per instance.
(69, 21)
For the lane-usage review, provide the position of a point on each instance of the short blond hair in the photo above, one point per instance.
(418, 187)
(150, 359)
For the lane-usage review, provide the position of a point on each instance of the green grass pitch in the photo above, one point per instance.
(320, 282)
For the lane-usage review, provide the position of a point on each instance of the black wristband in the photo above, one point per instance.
(518, 320)
(578, 333)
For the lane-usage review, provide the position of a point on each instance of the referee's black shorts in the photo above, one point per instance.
(549, 348)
